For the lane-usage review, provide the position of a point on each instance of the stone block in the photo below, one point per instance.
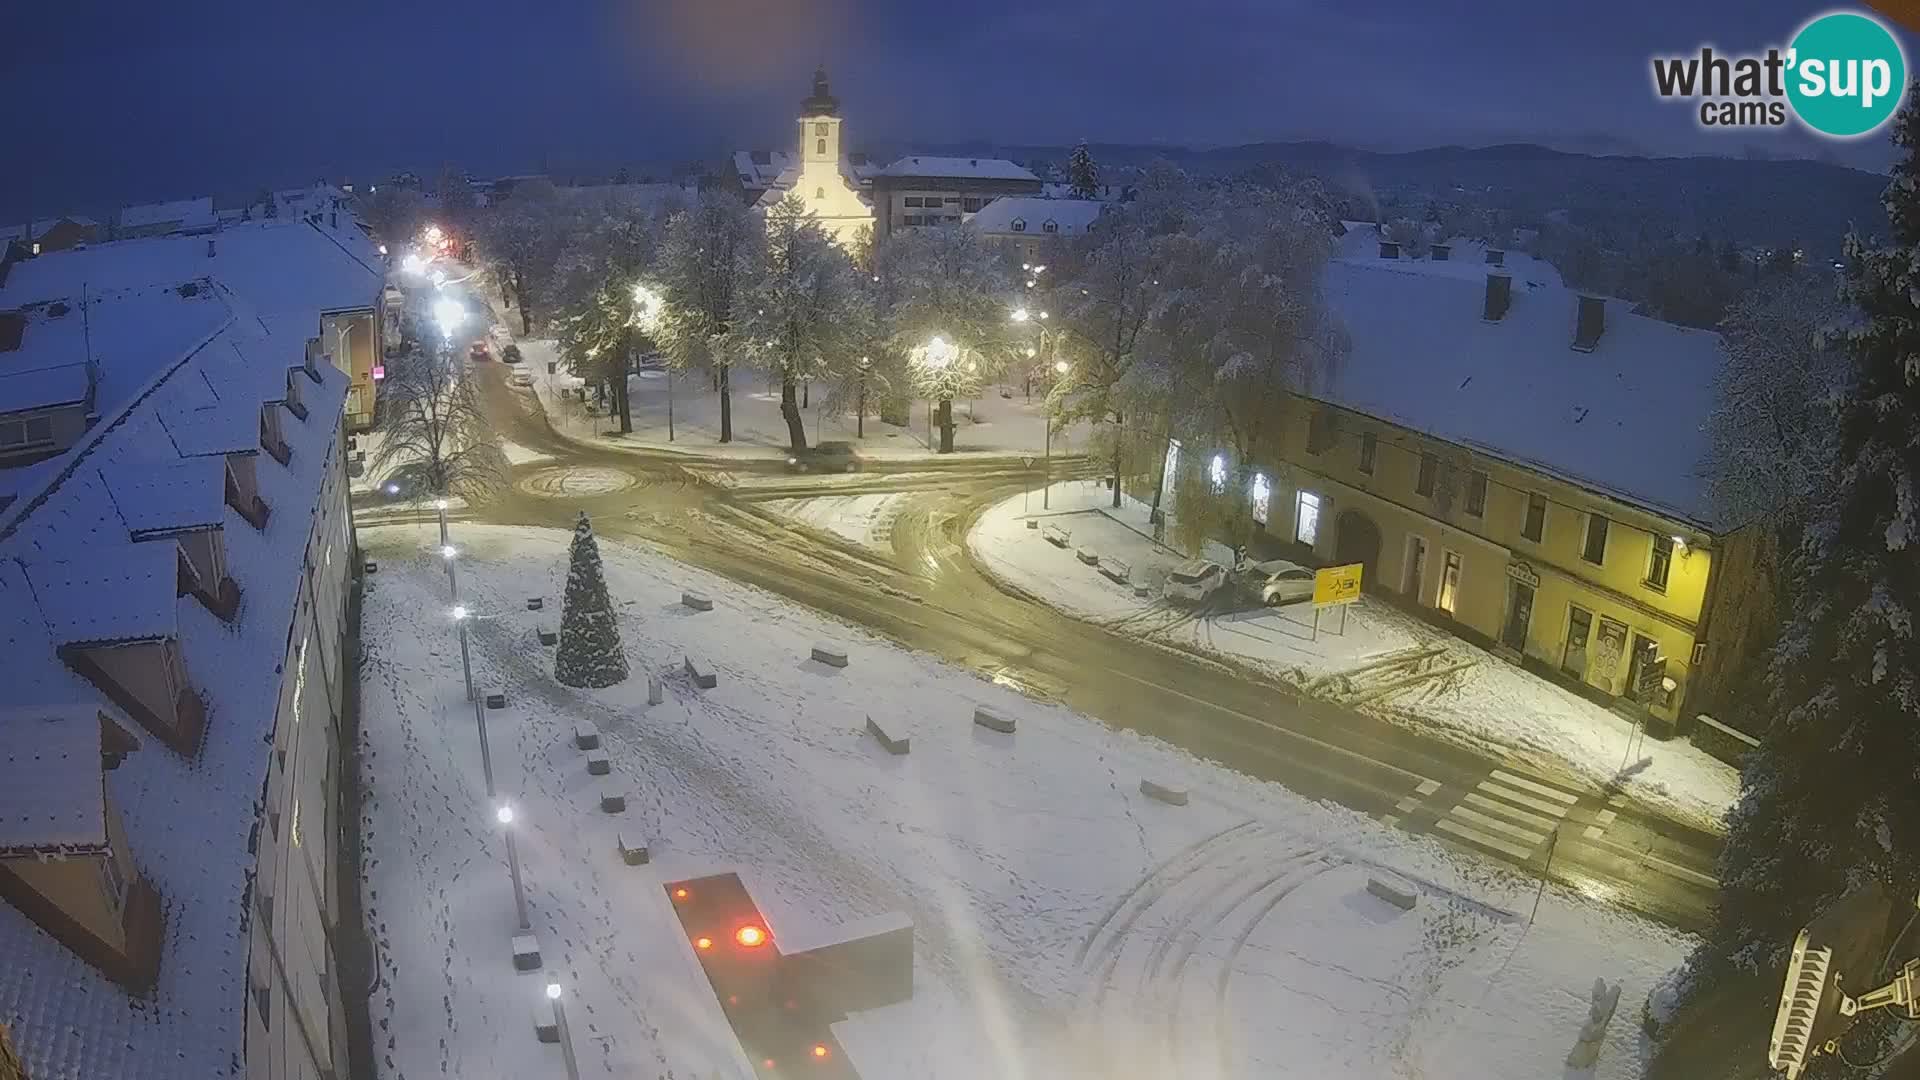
(1143, 590)
(702, 675)
(1396, 891)
(526, 952)
(546, 1026)
(1087, 556)
(632, 856)
(613, 801)
(1033, 523)
(1166, 793)
(900, 745)
(586, 736)
(535, 603)
(549, 637)
(496, 699)
(656, 690)
(697, 601)
(829, 654)
(598, 763)
(370, 567)
(993, 721)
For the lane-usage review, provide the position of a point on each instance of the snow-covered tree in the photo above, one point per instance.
(518, 241)
(590, 653)
(1083, 176)
(1829, 799)
(394, 213)
(801, 308)
(951, 314)
(699, 272)
(432, 424)
(611, 241)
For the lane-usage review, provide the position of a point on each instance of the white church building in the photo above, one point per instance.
(822, 176)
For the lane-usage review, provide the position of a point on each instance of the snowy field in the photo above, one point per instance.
(989, 425)
(1490, 704)
(863, 519)
(1064, 924)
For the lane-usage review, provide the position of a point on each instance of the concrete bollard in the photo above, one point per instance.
(546, 1026)
(829, 654)
(1393, 890)
(1033, 523)
(893, 746)
(496, 699)
(656, 690)
(993, 721)
(632, 856)
(702, 676)
(613, 801)
(526, 952)
(586, 736)
(697, 601)
(1166, 793)
(535, 603)
(549, 637)
(598, 763)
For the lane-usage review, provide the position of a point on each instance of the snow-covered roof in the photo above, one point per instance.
(959, 168)
(180, 213)
(52, 796)
(1465, 258)
(102, 344)
(187, 821)
(759, 168)
(1073, 216)
(40, 227)
(166, 496)
(1624, 419)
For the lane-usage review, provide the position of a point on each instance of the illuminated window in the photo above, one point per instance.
(1449, 582)
(1660, 562)
(1217, 474)
(1306, 518)
(1262, 497)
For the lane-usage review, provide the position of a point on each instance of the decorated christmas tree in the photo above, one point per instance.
(590, 653)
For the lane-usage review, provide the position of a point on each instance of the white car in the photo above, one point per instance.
(1195, 581)
(521, 377)
(502, 337)
(1283, 582)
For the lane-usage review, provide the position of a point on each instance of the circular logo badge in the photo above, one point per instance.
(1848, 75)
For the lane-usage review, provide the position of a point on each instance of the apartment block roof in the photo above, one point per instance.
(917, 167)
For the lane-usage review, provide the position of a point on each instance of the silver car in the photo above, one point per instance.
(1283, 582)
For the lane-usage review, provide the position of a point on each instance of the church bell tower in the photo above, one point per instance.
(820, 124)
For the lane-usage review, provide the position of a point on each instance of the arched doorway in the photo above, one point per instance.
(1357, 540)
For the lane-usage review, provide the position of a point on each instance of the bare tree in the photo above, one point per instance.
(434, 429)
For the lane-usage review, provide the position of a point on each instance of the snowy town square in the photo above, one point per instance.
(719, 540)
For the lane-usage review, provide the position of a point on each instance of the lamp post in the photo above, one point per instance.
(504, 815)
(460, 614)
(560, 1025)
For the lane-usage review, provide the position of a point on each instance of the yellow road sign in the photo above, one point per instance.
(1336, 585)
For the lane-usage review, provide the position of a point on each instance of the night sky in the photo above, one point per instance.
(110, 101)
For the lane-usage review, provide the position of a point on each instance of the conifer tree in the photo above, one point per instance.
(1083, 176)
(590, 653)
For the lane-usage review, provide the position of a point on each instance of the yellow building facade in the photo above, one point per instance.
(1601, 593)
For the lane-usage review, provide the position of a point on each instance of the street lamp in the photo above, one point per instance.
(560, 1025)
(449, 314)
(1020, 314)
(504, 815)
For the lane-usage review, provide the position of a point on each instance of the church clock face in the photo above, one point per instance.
(820, 128)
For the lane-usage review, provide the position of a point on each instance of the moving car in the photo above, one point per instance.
(1194, 581)
(478, 351)
(1282, 582)
(825, 457)
(510, 354)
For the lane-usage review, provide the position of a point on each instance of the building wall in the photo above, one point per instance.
(296, 1025)
(892, 197)
(1492, 548)
(353, 340)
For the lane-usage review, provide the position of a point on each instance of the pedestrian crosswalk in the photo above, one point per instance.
(1508, 813)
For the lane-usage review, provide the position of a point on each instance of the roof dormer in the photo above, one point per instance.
(272, 439)
(182, 503)
(295, 403)
(243, 485)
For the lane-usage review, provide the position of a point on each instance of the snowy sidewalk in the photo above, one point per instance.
(1488, 704)
(1065, 923)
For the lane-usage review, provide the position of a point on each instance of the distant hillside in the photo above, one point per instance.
(1768, 203)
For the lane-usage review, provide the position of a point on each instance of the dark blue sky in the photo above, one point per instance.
(106, 101)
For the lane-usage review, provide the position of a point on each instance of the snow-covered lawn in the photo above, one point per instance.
(863, 519)
(1491, 704)
(990, 425)
(1065, 925)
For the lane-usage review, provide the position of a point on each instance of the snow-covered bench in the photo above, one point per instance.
(496, 699)
(993, 721)
(1115, 570)
(535, 603)
(1166, 793)
(900, 745)
(1057, 536)
(830, 654)
(702, 675)
(1087, 555)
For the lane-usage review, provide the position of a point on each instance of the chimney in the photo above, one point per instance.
(1499, 297)
(1389, 249)
(1442, 252)
(1496, 256)
(1590, 324)
(209, 247)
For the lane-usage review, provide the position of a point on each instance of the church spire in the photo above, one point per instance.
(822, 103)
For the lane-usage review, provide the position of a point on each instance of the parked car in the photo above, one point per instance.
(478, 351)
(1194, 581)
(510, 354)
(522, 377)
(1282, 582)
(501, 335)
(825, 457)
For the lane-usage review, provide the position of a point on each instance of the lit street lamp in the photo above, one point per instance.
(449, 314)
(504, 815)
(560, 1024)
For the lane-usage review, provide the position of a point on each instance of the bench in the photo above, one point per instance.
(1087, 555)
(1116, 571)
(830, 655)
(549, 637)
(702, 676)
(697, 601)
(1057, 536)
(893, 746)
(993, 721)
(535, 603)
(586, 736)
(632, 856)
(526, 952)
(1166, 793)
(598, 764)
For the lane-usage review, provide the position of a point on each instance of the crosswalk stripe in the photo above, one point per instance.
(1428, 787)
(1478, 837)
(1539, 789)
(1485, 821)
(1390, 819)
(1498, 807)
(1521, 798)
(1407, 805)
(1604, 818)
